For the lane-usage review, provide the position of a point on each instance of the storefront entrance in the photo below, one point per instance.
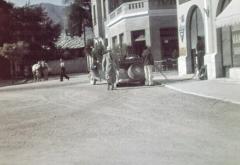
(169, 43)
(229, 41)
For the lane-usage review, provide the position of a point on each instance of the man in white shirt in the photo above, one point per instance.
(62, 70)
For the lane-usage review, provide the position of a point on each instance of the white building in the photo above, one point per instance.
(218, 22)
(137, 23)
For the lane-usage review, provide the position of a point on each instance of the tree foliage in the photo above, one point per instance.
(79, 16)
(25, 33)
(32, 25)
(29, 24)
(5, 21)
(98, 51)
(14, 52)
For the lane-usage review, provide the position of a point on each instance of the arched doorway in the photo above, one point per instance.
(195, 30)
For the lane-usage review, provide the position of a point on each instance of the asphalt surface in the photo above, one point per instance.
(74, 123)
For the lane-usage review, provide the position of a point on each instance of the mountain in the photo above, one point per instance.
(55, 13)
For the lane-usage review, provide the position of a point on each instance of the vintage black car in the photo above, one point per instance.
(131, 70)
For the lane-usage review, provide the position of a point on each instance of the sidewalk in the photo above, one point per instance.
(7, 84)
(223, 89)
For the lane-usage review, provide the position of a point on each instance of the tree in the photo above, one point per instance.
(25, 32)
(98, 51)
(32, 25)
(5, 21)
(79, 16)
(14, 52)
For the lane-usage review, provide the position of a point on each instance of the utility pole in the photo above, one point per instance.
(84, 32)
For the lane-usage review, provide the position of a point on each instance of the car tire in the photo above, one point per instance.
(136, 72)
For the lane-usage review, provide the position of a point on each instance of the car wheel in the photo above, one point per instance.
(136, 72)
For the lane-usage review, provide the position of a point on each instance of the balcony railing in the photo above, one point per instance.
(129, 8)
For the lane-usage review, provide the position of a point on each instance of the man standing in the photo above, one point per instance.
(148, 65)
(62, 70)
(109, 67)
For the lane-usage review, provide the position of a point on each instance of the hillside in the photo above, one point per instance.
(56, 13)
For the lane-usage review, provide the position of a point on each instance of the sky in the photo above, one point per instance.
(23, 2)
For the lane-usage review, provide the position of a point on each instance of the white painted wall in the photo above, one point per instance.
(78, 65)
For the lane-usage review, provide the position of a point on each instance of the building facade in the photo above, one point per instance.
(137, 23)
(217, 23)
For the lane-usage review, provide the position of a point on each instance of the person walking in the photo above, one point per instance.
(148, 65)
(109, 68)
(62, 70)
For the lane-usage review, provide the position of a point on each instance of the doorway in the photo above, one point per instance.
(169, 43)
(138, 41)
(228, 37)
(195, 34)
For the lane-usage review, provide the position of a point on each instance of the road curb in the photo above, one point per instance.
(201, 95)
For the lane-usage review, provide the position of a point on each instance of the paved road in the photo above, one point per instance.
(73, 123)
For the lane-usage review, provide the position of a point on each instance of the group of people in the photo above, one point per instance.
(110, 67)
(40, 71)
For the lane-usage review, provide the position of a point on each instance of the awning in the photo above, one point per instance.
(140, 38)
(230, 15)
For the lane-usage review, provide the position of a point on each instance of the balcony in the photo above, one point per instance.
(128, 9)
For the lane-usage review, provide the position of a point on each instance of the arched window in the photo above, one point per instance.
(196, 26)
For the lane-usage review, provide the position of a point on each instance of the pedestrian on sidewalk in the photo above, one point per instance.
(62, 70)
(148, 63)
(109, 67)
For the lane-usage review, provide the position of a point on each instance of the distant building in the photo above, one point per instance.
(137, 23)
(217, 22)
